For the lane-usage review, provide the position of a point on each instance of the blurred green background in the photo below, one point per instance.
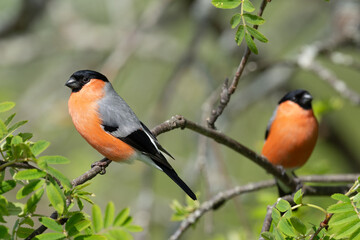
(169, 57)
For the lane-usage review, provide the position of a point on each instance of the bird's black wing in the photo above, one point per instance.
(147, 144)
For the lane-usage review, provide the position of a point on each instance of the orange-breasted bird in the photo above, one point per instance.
(291, 133)
(109, 125)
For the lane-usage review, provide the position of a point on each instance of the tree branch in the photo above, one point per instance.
(222, 197)
(180, 122)
(227, 91)
(217, 202)
(24, 165)
(95, 170)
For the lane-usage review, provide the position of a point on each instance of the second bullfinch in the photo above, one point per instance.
(109, 125)
(291, 133)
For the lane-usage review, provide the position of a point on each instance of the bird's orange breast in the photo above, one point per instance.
(292, 136)
(83, 108)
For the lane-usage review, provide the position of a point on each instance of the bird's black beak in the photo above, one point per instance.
(72, 83)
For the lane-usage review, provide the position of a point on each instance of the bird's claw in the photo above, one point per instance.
(102, 166)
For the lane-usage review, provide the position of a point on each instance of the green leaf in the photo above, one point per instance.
(340, 208)
(134, 228)
(79, 203)
(3, 129)
(6, 186)
(235, 20)
(9, 119)
(97, 220)
(109, 215)
(250, 43)
(355, 235)
(276, 216)
(29, 188)
(341, 197)
(25, 136)
(82, 225)
(16, 126)
(128, 220)
(56, 197)
(240, 33)
(15, 208)
(4, 232)
(42, 164)
(29, 174)
(32, 201)
(226, 4)
(28, 221)
(256, 34)
(16, 140)
(286, 227)
(6, 106)
(357, 198)
(298, 225)
(50, 236)
(268, 236)
(278, 235)
(24, 232)
(341, 218)
(51, 224)
(119, 234)
(58, 175)
(86, 198)
(39, 147)
(97, 237)
(73, 220)
(283, 205)
(298, 197)
(121, 217)
(349, 229)
(253, 19)
(248, 6)
(55, 159)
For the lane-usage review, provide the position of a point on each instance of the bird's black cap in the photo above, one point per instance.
(78, 79)
(302, 97)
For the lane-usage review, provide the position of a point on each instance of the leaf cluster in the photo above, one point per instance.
(242, 20)
(183, 211)
(40, 178)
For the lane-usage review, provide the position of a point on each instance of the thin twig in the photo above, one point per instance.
(24, 165)
(227, 91)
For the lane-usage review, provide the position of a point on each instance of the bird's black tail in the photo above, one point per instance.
(173, 175)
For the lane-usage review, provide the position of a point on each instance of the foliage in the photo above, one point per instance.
(344, 219)
(183, 211)
(242, 20)
(41, 178)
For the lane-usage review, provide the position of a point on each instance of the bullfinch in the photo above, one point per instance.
(291, 133)
(109, 125)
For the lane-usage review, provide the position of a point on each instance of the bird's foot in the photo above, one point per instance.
(102, 164)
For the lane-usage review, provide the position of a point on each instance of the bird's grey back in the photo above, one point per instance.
(116, 113)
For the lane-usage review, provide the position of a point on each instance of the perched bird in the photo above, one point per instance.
(109, 125)
(291, 133)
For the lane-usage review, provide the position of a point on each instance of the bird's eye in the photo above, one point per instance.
(85, 80)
